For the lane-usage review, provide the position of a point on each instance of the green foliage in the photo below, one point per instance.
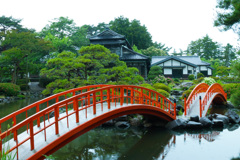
(230, 88)
(209, 81)
(44, 81)
(199, 75)
(163, 92)
(159, 79)
(228, 15)
(223, 71)
(146, 85)
(94, 65)
(9, 89)
(187, 93)
(169, 80)
(191, 77)
(162, 86)
(199, 80)
(154, 71)
(235, 97)
(230, 79)
(152, 51)
(192, 87)
(235, 68)
(134, 47)
(162, 47)
(135, 32)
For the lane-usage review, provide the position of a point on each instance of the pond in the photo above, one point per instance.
(145, 143)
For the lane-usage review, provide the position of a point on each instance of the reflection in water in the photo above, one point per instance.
(210, 137)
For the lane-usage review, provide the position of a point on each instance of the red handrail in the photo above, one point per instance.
(107, 94)
(214, 88)
(200, 88)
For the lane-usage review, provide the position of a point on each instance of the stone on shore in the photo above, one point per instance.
(194, 125)
(177, 124)
(194, 118)
(222, 117)
(217, 123)
(233, 117)
(205, 122)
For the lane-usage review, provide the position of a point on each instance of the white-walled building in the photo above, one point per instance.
(182, 66)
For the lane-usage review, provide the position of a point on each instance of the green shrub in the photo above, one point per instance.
(169, 80)
(163, 92)
(146, 85)
(192, 87)
(199, 75)
(209, 81)
(187, 92)
(159, 79)
(24, 87)
(191, 77)
(176, 80)
(199, 80)
(154, 71)
(235, 98)
(43, 82)
(9, 89)
(162, 86)
(230, 88)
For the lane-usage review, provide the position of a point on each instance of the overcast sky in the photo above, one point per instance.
(172, 22)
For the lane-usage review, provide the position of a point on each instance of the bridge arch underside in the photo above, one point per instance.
(93, 123)
(219, 99)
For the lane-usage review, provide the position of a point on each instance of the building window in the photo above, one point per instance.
(189, 71)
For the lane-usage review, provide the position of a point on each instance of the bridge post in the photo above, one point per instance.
(56, 120)
(200, 106)
(75, 106)
(31, 135)
(15, 132)
(108, 98)
(38, 119)
(0, 139)
(94, 103)
(175, 106)
(121, 95)
(185, 105)
(132, 95)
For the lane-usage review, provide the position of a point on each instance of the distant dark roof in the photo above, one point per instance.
(190, 60)
(109, 37)
(107, 34)
(129, 54)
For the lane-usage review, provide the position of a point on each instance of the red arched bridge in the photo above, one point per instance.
(76, 111)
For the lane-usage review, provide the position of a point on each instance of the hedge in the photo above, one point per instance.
(162, 86)
(9, 89)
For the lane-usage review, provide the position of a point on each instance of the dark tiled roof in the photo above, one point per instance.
(129, 54)
(107, 34)
(106, 42)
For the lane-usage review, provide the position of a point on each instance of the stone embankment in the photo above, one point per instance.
(208, 122)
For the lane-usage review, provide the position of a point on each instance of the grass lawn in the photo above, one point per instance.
(2, 96)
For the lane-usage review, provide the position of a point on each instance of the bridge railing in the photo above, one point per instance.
(109, 95)
(214, 88)
(200, 88)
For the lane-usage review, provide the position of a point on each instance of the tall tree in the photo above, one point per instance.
(22, 49)
(162, 47)
(152, 51)
(228, 15)
(229, 54)
(64, 29)
(205, 48)
(135, 32)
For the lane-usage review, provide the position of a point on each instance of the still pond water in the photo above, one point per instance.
(145, 144)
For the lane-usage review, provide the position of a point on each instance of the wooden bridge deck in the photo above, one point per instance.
(24, 150)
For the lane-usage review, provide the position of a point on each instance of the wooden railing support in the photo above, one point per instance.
(75, 106)
(200, 106)
(175, 108)
(31, 135)
(185, 105)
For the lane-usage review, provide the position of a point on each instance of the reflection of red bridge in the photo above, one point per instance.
(210, 137)
(91, 106)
